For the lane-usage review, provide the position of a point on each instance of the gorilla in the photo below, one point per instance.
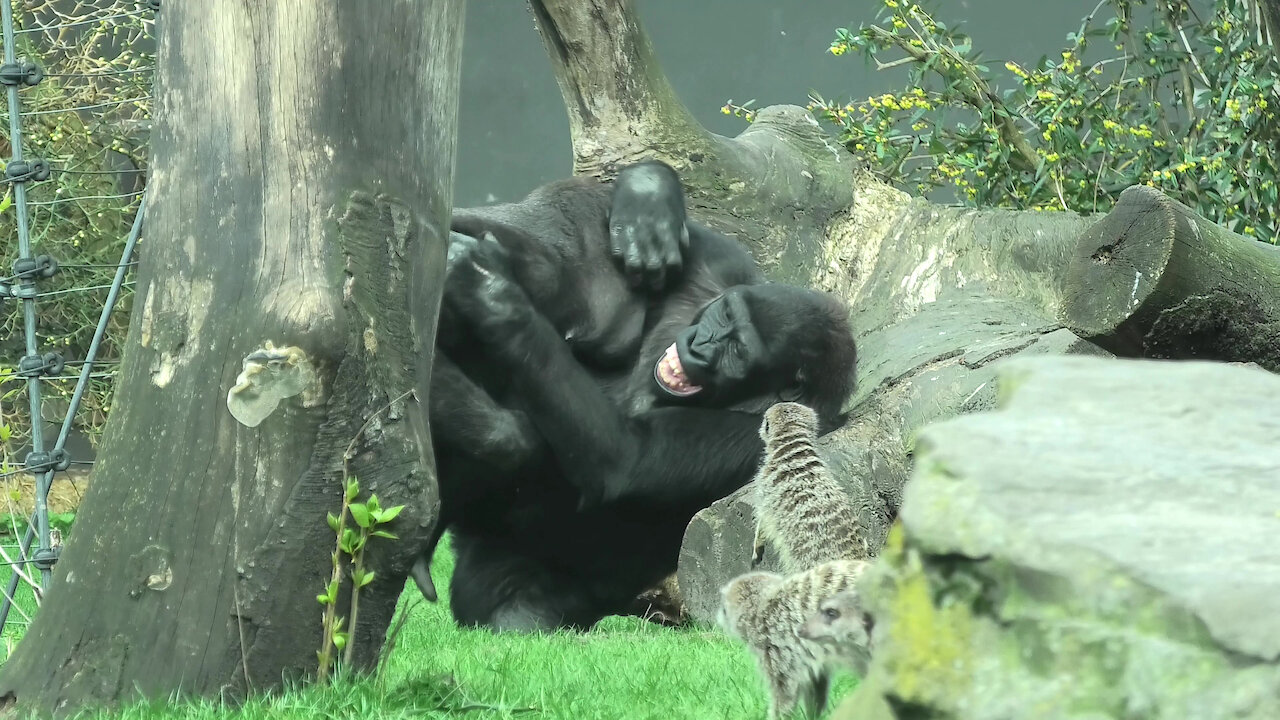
(602, 368)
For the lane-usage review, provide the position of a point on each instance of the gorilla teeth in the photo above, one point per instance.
(670, 374)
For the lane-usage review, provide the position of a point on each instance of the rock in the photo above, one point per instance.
(1104, 545)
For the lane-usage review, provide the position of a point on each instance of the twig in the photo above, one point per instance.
(390, 645)
(351, 446)
(335, 579)
(976, 92)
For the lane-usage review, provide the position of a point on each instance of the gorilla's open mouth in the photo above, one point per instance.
(670, 374)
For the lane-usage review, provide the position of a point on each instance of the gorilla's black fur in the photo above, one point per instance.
(602, 366)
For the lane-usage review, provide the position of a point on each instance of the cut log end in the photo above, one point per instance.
(1156, 279)
(1118, 262)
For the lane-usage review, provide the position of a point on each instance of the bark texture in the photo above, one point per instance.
(936, 293)
(301, 186)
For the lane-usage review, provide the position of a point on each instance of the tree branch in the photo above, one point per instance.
(620, 105)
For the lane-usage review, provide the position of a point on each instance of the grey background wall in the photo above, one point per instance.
(513, 133)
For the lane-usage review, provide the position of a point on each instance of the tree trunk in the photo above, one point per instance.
(1154, 278)
(936, 293)
(301, 187)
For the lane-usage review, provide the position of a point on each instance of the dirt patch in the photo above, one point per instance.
(64, 496)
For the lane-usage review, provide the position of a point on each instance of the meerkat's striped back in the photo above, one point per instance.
(804, 513)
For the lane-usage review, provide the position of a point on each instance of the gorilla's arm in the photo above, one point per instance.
(466, 418)
(683, 457)
(570, 228)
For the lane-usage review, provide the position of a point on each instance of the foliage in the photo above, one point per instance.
(81, 215)
(13, 526)
(1178, 101)
(350, 543)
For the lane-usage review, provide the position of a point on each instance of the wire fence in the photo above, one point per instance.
(77, 75)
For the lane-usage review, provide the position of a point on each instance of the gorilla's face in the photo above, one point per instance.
(758, 343)
(720, 350)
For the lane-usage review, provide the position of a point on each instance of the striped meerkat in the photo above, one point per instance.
(764, 609)
(800, 508)
(810, 519)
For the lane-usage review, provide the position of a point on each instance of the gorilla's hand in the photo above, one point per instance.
(478, 287)
(647, 233)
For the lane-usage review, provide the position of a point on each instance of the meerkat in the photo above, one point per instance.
(800, 508)
(843, 629)
(811, 520)
(764, 610)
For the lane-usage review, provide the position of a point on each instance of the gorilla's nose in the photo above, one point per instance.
(696, 358)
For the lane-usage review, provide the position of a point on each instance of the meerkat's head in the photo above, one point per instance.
(740, 596)
(841, 626)
(788, 416)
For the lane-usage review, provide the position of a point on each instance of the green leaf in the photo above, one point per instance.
(368, 578)
(322, 599)
(360, 513)
(390, 514)
(333, 522)
(339, 640)
(384, 534)
(348, 541)
(373, 502)
(6, 203)
(353, 489)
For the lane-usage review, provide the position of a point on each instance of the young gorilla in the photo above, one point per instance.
(617, 411)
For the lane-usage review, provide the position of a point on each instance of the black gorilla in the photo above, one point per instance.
(582, 412)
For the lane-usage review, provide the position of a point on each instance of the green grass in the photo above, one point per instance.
(624, 668)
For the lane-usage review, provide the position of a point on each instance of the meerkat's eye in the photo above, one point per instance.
(831, 613)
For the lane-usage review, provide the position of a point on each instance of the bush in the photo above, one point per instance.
(1185, 104)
